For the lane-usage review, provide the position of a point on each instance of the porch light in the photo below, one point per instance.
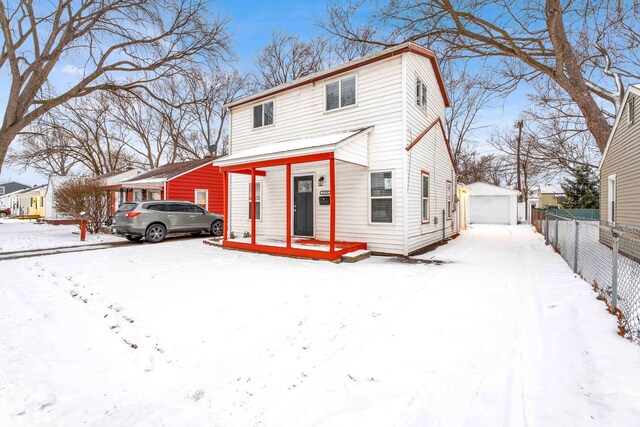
(321, 181)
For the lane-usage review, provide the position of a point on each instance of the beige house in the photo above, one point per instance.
(620, 166)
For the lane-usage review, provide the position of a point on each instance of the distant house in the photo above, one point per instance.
(350, 158)
(619, 170)
(29, 201)
(543, 196)
(195, 181)
(11, 187)
(490, 204)
(54, 182)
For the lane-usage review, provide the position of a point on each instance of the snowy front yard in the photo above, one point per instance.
(502, 333)
(22, 235)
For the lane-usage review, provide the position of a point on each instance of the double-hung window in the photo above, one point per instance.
(426, 214)
(421, 94)
(202, 198)
(263, 114)
(381, 197)
(258, 200)
(449, 199)
(611, 200)
(340, 93)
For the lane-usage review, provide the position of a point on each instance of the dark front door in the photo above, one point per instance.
(303, 205)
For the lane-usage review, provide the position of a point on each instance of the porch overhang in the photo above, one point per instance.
(144, 184)
(347, 146)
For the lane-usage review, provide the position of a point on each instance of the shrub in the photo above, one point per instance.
(83, 195)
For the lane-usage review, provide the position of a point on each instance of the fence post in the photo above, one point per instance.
(575, 252)
(546, 228)
(614, 272)
(557, 248)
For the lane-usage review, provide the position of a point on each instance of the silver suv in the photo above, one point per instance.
(153, 220)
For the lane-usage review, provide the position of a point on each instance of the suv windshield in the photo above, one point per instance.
(127, 207)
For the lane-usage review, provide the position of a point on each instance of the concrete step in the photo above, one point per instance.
(356, 256)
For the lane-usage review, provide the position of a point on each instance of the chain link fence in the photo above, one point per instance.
(607, 257)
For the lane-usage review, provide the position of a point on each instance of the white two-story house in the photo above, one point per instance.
(352, 157)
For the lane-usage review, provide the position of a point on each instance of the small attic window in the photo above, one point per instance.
(631, 111)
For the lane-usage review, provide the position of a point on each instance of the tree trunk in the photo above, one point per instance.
(7, 135)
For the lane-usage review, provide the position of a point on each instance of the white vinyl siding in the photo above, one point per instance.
(631, 111)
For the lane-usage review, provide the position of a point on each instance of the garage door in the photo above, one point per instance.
(489, 209)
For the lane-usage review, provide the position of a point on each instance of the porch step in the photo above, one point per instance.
(356, 256)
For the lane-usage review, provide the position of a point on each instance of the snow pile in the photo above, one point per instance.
(20, 235)
(182, 333)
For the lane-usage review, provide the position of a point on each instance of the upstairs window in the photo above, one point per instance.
(631, 110)
(263, 115)
(421, 95)
(425, 197)
(341, 93)
(1, 190)
(381, 197)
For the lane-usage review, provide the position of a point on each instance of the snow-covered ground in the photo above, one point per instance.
(24, 235)
(502, 333)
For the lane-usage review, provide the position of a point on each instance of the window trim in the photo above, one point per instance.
(206, 197)
(2, 190)
(424, 173)
(612, 198)
(423, 91)
(449, 199)
(266, 101)
(370, 198)
(133, 195)
(339, 80)
(259, 205)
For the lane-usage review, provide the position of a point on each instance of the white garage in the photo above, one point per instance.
(490, 204)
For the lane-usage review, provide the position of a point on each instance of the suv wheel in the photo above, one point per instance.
(156, 233)
(216, 228)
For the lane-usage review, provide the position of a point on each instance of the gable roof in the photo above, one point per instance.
(169, 171)
(351, 65)
(635, 89)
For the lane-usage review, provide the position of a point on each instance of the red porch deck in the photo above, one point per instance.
(304, 248)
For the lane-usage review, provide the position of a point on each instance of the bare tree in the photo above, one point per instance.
(288, 57)
(82, 198)
(122, 45)
(209, 93)
(586, 47)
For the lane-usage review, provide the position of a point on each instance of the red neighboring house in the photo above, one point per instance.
(196, 181)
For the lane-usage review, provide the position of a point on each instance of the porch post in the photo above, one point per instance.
(253, 206)
(332, 206)
(288, 205)
(225, 205)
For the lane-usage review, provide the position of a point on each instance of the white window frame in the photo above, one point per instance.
(427, 219)
(262, 126)
(631, 110)
(449, 199)
(206, 198)
(612, 197)
(259, 201)
(151, 191)
(393, 217)
(2, 190)
(340, 106)
(133, 196)
(421, 98)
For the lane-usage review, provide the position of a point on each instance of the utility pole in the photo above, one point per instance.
(519, 125)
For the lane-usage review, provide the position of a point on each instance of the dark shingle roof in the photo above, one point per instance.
(171, 170)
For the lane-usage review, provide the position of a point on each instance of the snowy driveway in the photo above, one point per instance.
(501, 334)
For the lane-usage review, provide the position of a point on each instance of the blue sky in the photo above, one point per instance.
(252, 22)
